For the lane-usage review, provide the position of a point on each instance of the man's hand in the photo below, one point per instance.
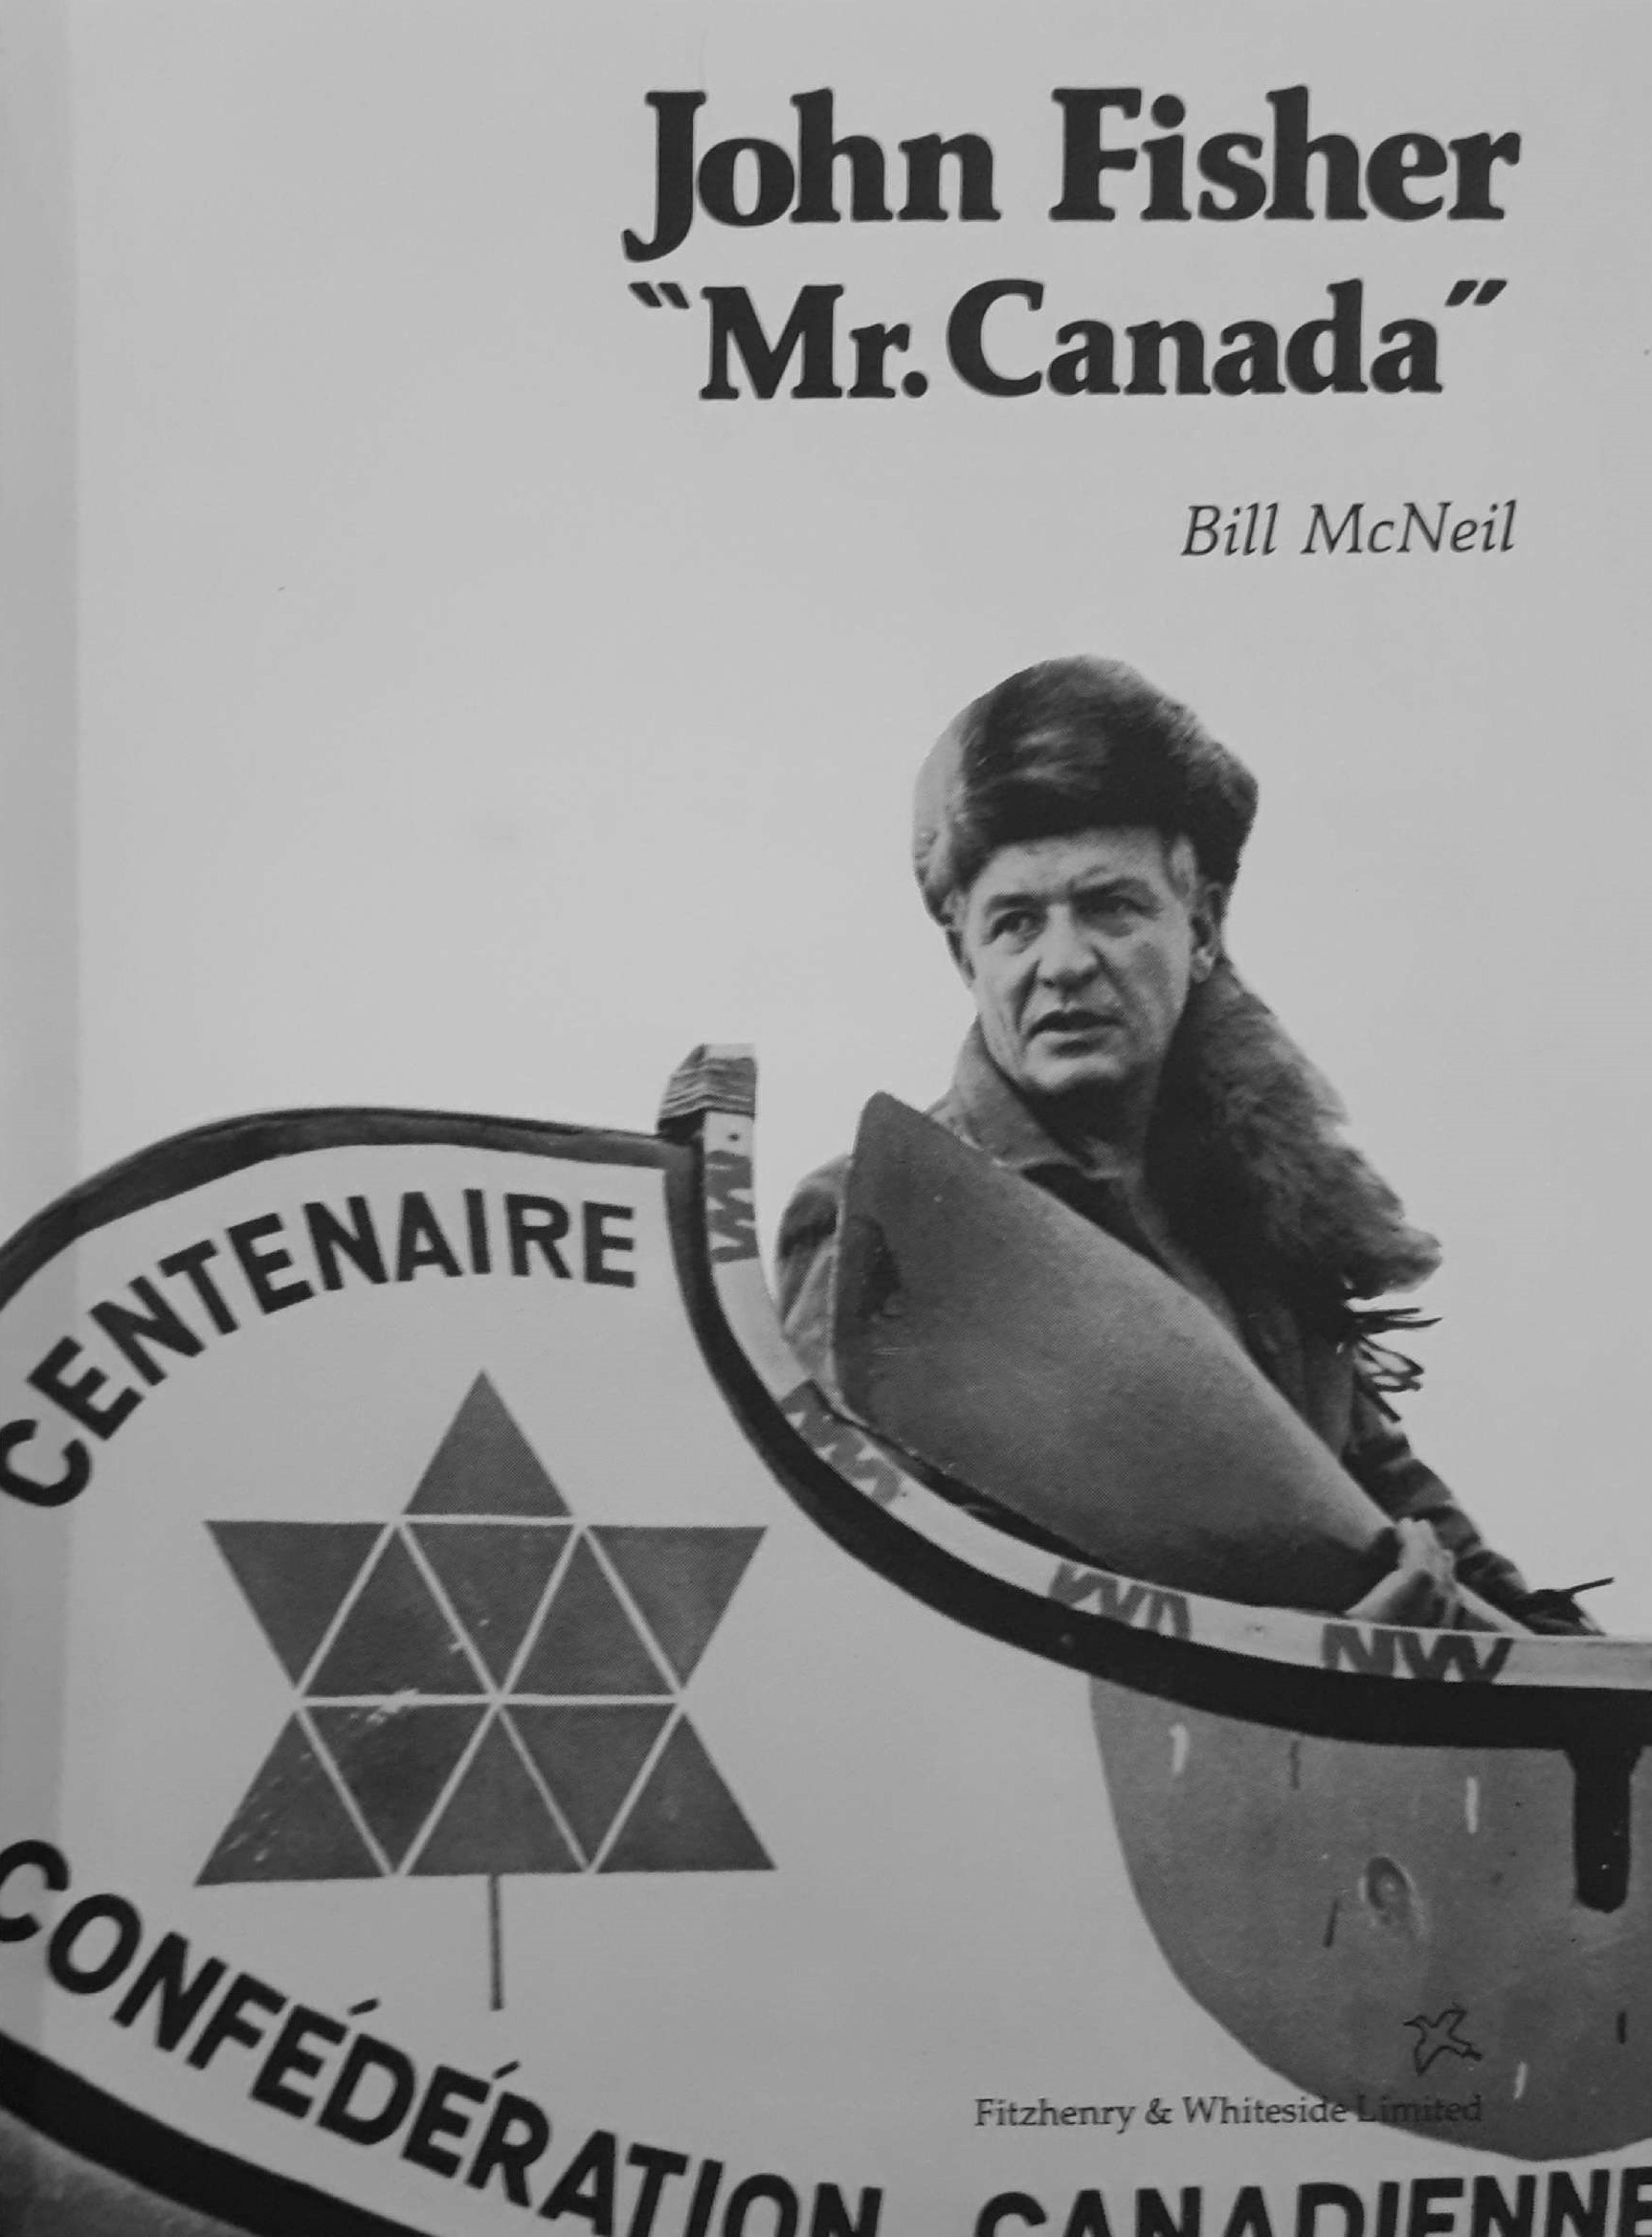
(1420, 1589)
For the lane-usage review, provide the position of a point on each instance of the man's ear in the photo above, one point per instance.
(1207, 915)
(955, 949)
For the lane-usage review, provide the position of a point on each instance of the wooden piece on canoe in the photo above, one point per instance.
(1003, 1340)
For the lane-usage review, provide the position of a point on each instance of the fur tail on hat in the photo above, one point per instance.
(1250, 1161)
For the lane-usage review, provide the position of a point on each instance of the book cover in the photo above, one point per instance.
(566, 1654)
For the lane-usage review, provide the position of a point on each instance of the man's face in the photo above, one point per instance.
(1080, 952)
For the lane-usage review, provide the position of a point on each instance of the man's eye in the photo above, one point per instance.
(1114, 909)
(1015, 923)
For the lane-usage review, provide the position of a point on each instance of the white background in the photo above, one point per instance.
(462, 713)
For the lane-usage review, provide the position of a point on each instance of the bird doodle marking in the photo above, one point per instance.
(1437, 2036)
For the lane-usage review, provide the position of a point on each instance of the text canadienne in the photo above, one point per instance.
(1107, 166)
(201, 1292)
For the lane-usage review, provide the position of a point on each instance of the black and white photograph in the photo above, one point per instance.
(823, 1209)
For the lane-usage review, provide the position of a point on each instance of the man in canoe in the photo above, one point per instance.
(1077, 835)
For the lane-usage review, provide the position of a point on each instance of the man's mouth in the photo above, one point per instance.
(1065, 1024)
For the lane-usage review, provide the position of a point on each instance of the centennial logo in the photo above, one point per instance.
(486, 1685)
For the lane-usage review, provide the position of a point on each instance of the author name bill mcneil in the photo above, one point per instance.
(1356, 530)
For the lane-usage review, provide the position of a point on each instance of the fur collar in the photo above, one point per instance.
(1248, 1159)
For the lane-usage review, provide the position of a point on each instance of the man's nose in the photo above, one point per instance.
(1065, 957)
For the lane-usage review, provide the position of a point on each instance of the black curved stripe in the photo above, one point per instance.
(207, 1153)
(87, 2122)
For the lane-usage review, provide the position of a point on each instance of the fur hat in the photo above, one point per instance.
(1073, 745)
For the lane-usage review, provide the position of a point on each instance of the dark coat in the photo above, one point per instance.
(1297, 1317)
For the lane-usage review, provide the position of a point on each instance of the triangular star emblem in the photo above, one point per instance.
(486, 1466)
(296, 1576)
(682, 1580)
(395, 1758)
(588, 1754)
(488, 1686)
(395, 1639)
(494, 1575)
(292, 1823)
(685, 1819)
(587, 1643)
(497, 1821)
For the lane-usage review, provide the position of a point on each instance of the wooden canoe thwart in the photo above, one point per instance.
(1003, 1340)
